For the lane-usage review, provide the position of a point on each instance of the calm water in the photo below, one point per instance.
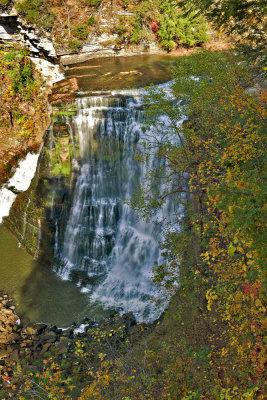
(38, 292)
(122, 72)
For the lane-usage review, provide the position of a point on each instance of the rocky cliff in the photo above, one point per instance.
(101, 41)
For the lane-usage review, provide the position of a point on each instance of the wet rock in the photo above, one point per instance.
(49, 337)
(46, 347)
(129, 320)
(40, 328)
(71, 334)
(25, 322)
(38, 347)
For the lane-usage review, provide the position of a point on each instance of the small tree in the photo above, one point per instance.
(180, 27)
(37, 12)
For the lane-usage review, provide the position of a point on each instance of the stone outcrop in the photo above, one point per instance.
(14, 30)
(63, 91)
(29, 218)
(8, 324)
(105, 45)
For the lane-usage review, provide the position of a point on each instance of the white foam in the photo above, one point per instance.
(19, 182)
(80, 329)
(127, 269)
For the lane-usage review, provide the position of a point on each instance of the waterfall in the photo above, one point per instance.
(25, 221)
(18, 183)
(39, 240)
(106, 247)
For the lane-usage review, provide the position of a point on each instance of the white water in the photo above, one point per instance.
(104, 239)
(18, 183)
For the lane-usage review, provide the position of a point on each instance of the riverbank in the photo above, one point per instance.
(25, 84)
(25, 346)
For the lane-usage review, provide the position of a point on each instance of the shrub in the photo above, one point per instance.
(80, 31)
(92, 3)
(35, 10)
(74, 45)
(91, 21)
(180, 27)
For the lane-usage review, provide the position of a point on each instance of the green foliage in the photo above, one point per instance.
(74, 45)
(244, 17)
(93, 3)
(19, 89)
(245, 20)
(20, 71)
(180, 27)
(4, 3)
(174, 25)
(80, 31)
(91, 21)
(37, 12)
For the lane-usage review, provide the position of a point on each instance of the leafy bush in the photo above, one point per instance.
(180, 27)
(91, 21)
(92, 3)
(74, 45)
(35, 10)
(80, 31)
(20, 71)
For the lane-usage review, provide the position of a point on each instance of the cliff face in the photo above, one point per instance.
(78, 39)
(14, 30)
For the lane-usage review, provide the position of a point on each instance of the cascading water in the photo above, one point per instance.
(106, 245)
(18, 183)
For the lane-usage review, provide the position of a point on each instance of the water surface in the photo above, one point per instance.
(122, 72)
(37, 291)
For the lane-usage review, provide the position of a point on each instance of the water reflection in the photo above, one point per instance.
(122, 72)
(37, 291)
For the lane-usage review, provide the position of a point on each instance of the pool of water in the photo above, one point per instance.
(122, 72)
(39, 294)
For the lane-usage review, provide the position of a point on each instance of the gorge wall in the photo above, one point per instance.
(14, 29)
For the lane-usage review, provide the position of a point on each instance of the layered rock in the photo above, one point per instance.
(31, 218)
(14, 30)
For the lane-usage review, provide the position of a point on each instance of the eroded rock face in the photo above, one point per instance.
(105, 46)
(13, 29)
(63, 92)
